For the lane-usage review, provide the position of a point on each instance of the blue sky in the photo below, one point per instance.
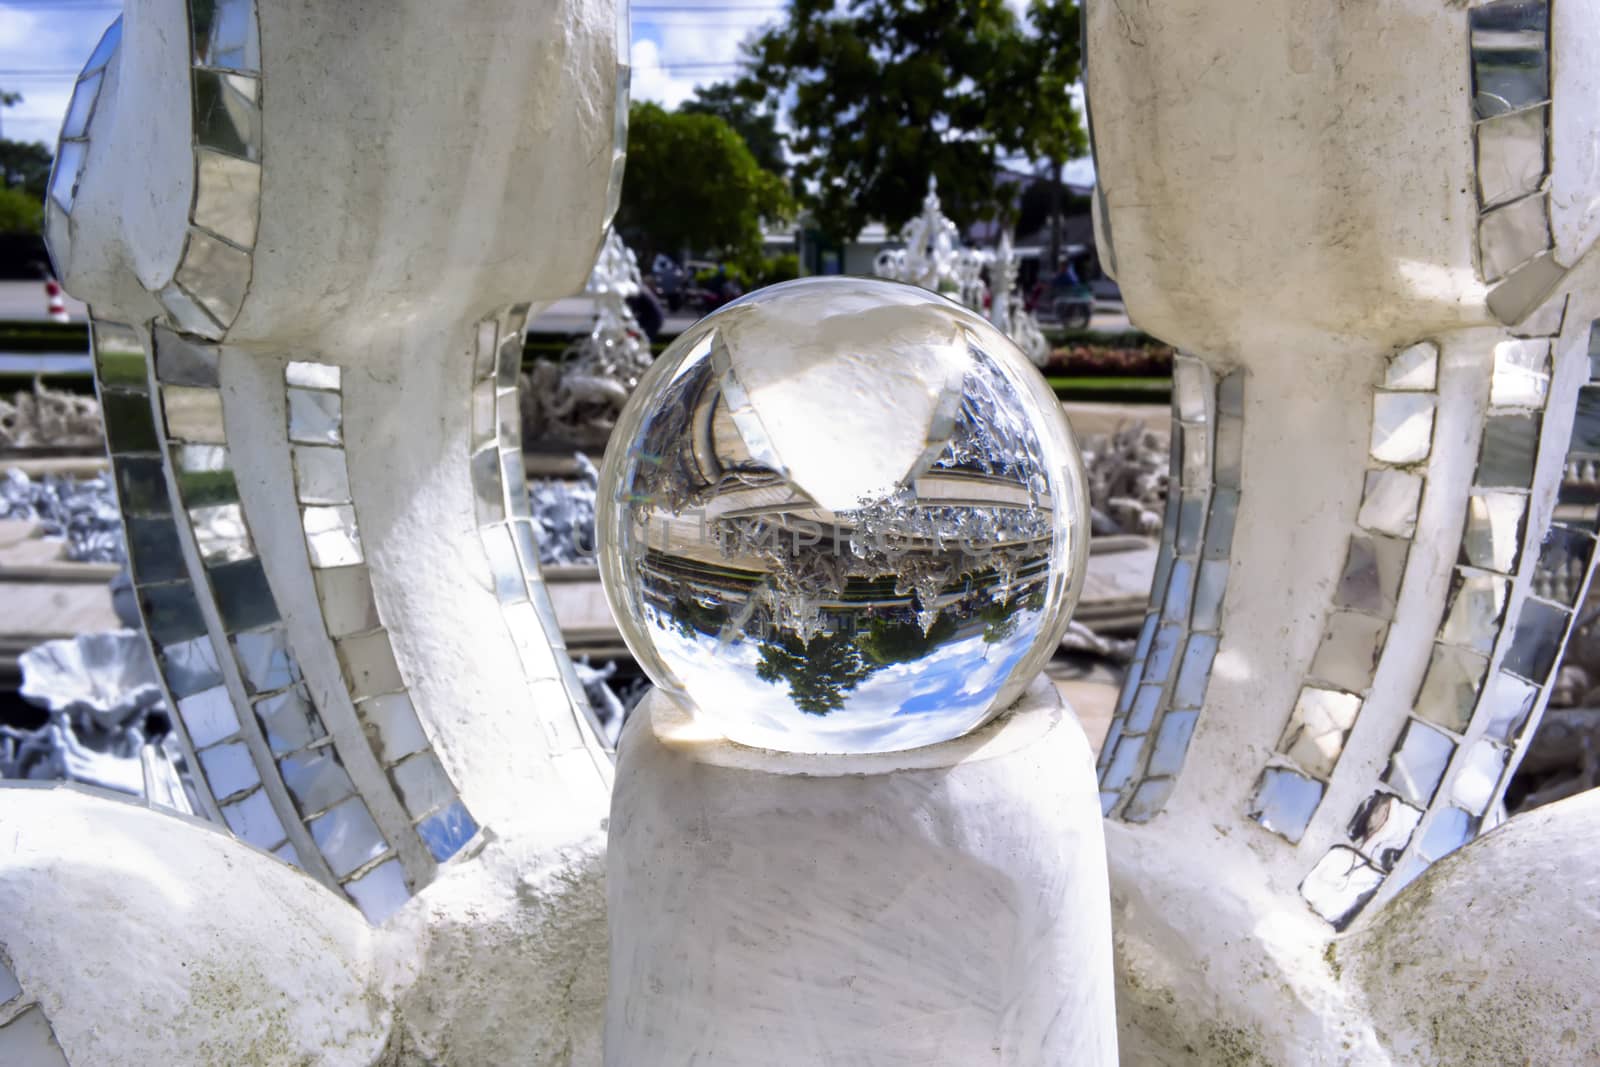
(677, 44)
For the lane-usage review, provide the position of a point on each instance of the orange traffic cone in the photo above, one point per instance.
(58, 302)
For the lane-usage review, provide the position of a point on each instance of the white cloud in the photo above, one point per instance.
(41, 39)
(673, 52)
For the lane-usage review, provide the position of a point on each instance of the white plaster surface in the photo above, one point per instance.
(1290, 187)
(944, 906)
(1574, 130)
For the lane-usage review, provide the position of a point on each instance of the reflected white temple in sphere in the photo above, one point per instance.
(843, 515)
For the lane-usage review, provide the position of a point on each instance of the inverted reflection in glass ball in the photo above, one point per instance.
(843, 515)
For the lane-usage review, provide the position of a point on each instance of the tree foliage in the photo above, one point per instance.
(693, 185)
(742, 110)
(20, 211)
(882, 94)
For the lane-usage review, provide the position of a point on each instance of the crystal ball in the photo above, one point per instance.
(843, 515)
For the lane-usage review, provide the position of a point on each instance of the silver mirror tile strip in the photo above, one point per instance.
(1159, 706)
(214, 271)
(378, 878)
(500, 492)
(1356, 626)
(1500, 637)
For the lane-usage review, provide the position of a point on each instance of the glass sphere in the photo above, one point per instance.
(843, 515)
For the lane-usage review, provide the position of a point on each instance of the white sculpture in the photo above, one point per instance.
(579, 399)
(935, 259)
(1371, 226)
(308, 306)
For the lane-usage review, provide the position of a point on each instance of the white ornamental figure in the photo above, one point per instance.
(309, 235)
(1369, 227)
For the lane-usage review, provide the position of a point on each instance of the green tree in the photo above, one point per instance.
(25, 165)
(819, 674)
(20, 211)
(885, 93)
(740, 106)
(693, 185)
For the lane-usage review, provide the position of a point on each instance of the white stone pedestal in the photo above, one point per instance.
(947, 905)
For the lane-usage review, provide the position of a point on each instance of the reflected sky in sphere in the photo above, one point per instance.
(843, 515)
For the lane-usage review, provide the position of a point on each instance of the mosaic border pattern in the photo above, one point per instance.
(505, 525)
(1511, 106)
(180, 644)
(1165, 688)
(373, 874)
(26, 1036)
(1356, 630)
(214, 271)
(72, 151)
(1496, 650)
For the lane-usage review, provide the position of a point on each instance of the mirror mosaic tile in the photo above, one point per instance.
(225, 34)
(315, 417)
(380, 892)
(368, 664)
(216, 274)
(1495, 525)
(1479, 776)
(1195, 673)
(447, 832)
(171, 613)
(265, 660)
(306, 374)
(1348, 655)
(320, 476)
(394, 721)
(347, 603)
(1402, 427)
(1285, 801)
(1382, 828)
(1418, 762)
(1510, 55)
(1450, 688)
(289, 721)
(208, 716)
(347, 837)
(254, 821)
(193, 414)
(316, 780)
(1414, 369)
(220, 534)
(1509, 701)
(226, 116)
(1521, 374)
(1563, 564)
(331, 536)
(1210, 588)
(1172, 743)
(244, 599)
(422, 784)
(1389, 502)
(153, 552)
(227, 196)
(1537, 640)
(1340, 885)
(1372, 573)
(1148, 800)
(1476, 610)
(181, 362)
(1317, 729)
(1450, 829)
(1512, 155)
(187, 314)
(1506, 457)
(229, 770)
(190, 666)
